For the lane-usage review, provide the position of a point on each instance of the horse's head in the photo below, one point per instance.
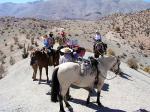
(116, 65)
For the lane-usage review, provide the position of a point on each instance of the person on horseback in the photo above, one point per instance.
(48, 46)
(98, 37)
(63, 36)
(51, 39)
(99, 47)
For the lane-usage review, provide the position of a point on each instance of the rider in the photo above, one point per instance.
(63, 35)
(98, 37)
(51, 39)
(48, 46)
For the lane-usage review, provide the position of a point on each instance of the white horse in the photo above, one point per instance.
(70, 73)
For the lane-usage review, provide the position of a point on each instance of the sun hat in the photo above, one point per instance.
(66, 50)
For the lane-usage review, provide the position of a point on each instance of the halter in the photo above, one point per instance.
(99, 72)
(115, 65)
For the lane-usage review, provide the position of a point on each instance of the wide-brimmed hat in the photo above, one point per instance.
(66, 50)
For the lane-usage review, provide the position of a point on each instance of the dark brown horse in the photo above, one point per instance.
(99, 49)
(40, 59)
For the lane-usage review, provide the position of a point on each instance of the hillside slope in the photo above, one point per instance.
(18, 93)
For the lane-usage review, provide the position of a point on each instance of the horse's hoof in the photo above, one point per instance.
(48, 81)
(70, 109)
(99, 104)
(61, 111)
(34, 79)
(87, 103)
(69, 98)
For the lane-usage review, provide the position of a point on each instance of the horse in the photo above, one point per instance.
(99, 48)
(71, 73)
(40, 59)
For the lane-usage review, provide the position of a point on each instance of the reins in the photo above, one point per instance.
(99, 72)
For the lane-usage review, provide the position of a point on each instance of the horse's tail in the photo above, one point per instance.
(55, 86)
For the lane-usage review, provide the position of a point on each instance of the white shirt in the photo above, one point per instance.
(65, 58)
(98, 37)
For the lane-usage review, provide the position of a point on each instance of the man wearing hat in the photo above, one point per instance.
(67, 57)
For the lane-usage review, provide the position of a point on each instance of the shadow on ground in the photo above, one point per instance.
(95, 107)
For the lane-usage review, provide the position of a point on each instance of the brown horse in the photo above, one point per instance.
(99, 49)
(40, 59)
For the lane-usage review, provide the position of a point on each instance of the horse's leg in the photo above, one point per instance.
(89, 95)
(99, 87)
(61, 104)
(68, 96)
(64, 92)
(40, 68)
(46, 68)
(68, 105)
(35, 72)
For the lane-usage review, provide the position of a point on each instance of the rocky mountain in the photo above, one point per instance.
(71, 9)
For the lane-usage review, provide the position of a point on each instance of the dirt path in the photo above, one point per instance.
(18, 93)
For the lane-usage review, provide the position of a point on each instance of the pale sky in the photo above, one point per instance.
(24, 1)
(16, 1)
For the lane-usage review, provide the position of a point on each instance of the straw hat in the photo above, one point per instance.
(66, 50)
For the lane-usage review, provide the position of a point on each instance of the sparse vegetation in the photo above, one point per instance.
(16, 40)
(20, 46)
(110, 52)
(25, 52)
(12, 61)
(132, 63)
(117, 29)
(147, 69)
(11, 48)
(2, 71)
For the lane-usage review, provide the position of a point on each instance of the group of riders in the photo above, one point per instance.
(69, 49)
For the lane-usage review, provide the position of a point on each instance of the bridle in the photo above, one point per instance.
(116, 72)
(112, 68)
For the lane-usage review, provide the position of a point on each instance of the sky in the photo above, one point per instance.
(17, 1)
(24, 1)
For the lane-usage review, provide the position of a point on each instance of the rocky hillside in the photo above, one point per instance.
(126, 34)
(71, 9)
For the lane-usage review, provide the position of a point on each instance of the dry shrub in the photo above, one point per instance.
(147, 69)
(16, 40)
(132, 63)
(117, 29)
(11, 48)
(36, 43)
(110, 52)
(5, 44)
(20, 46)
(25, 52)
(32, 40)
(2, 71)
(12, 61)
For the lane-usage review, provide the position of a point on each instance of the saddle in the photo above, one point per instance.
(87, 65)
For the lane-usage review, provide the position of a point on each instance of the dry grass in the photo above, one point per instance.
(132, 63)
(147, 69)
(110, 52)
